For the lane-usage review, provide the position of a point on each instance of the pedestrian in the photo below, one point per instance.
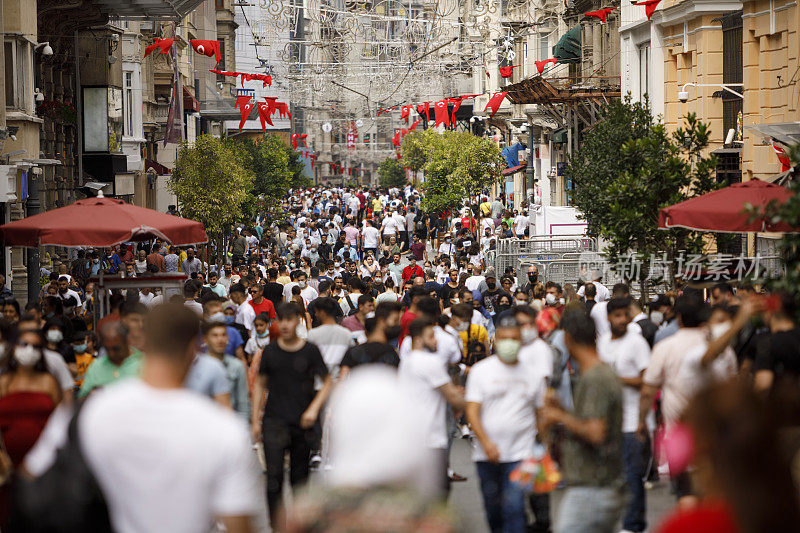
(503, 396)
(592, 448)
(285, 422)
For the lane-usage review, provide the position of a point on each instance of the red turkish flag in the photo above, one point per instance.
(507, 72)
(423, 108)
(396, 138)
(264, 115)
(207, 48)
(541, 64)
(456, 104)
(405, 112)
(495, 101)
(415, 124)
(241, 100)
(602, 14)
(246, 109)
(649, 7)
(163, 44)
(441, 114)
(783, 157)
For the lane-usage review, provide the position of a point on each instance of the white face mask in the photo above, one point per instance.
(657, 317)
(371, 314)
(528, 335)
(217, 317)
(520, 302)
(27, 356)
(463, 326)
(550, 299)
(301, 284)
(54, 336)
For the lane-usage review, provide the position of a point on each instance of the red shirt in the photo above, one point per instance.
(362, 199)
(412, 272)
(405, 321)
(265, 306)
(467, 222)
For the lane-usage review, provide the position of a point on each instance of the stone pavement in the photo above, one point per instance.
(466, 502)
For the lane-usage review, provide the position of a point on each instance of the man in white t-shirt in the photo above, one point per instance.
(521, 224)
(370, 236)
(389, 227)
(599, 313)
(245, 314)
(425, 378)
(602, 292)
(202, 467)
(476, 278)
(503, 397)
(628, 354)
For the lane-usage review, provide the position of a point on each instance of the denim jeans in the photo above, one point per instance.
(587, 509)
(634, 463)
(504, 501)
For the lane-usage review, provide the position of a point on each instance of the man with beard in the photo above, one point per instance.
(382, 329)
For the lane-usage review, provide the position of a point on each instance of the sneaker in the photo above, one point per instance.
(455, 478)
(315, 461)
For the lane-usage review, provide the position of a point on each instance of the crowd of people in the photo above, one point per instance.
(358, 336)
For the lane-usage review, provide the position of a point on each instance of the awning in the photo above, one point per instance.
(568, 48)
(190, 103)
(513, 170)
(147, 9)
(786, 132)
(159, 169)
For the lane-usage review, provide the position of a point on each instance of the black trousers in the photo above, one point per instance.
(280, 437)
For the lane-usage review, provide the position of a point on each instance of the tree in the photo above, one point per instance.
(211, 184)
(627, 169)
(456, 165)
(276, 168)
(391, 173)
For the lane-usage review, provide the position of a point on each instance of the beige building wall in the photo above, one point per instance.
(771, 51)
(694, 54)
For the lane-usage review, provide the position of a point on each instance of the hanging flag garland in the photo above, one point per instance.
(507, 72)
(405, 112)
(207, 48)
(247, 107)
(783, 157)
(424, 109)
(495, 101)
(299, 137)
(602, 14)
(541, 64)
(415, 124)
(440, 113)
(163, 44)
(266, 79)
(649, 6)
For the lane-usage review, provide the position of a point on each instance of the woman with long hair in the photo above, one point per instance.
(28, 395)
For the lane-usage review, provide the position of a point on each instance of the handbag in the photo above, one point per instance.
(66, 498)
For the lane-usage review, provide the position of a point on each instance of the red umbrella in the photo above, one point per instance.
(101, 222)
(724, 210)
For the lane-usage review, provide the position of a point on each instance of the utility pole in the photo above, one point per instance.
(32, 206)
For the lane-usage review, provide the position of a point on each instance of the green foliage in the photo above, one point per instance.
(211, 184)
(391, 173)
(276, 168)
(628, 168)
(456, 165)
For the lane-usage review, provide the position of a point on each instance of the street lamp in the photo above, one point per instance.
(683, 94)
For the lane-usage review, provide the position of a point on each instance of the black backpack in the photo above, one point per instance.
(648, 330)
(66, 498)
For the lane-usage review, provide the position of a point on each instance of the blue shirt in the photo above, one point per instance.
(112, 263)
(207, 376)
(234, 340)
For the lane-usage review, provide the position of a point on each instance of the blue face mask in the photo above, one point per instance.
(79, 348)
(229, 319)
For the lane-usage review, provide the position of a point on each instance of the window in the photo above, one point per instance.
(127, 105)
(644, 70)
(544, 47)
(732, 72)
(18, 67)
